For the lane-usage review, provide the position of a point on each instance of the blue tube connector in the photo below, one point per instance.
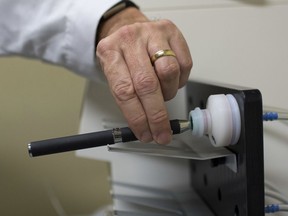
(270, 116)
(272, 208)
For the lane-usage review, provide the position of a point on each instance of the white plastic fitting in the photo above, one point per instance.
(220, 120)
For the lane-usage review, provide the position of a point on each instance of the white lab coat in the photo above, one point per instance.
(61, 32)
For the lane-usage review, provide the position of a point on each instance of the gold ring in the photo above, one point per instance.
(162, 53)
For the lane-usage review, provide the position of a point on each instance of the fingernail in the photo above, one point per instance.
(146, 137)
(163, 138)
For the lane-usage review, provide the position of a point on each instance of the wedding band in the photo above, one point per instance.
(162, 53)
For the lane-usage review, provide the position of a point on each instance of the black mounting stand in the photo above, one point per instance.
(225, 192)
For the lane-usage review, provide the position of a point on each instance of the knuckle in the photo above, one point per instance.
(106, 53)
(185, 70)
(159, 116)
(124, 36)
(168, 71)
(145, 84)
(128, 33)
(137, 120)
(167, 23)
(102, 46)
(123, 90)
(168, 26)
(187, 64)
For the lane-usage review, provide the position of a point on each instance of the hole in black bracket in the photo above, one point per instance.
(202, 104)
(219, 194)
(194, 169)
(190, 101)
(205, 180)
(236, 211)
(217, 161)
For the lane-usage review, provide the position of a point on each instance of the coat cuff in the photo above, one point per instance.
(83, 19)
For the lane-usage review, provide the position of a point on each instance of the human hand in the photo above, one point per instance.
(126, 42)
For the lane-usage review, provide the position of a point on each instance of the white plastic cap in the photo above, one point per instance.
(220, 120)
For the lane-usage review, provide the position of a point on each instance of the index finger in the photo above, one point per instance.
(123, 91)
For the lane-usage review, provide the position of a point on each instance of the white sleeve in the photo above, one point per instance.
(60, 32)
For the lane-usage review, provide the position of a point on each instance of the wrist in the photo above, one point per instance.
(126, 16)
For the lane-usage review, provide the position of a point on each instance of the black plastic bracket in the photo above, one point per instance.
(225, 192)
